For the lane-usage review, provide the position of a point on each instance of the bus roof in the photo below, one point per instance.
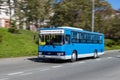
(80, 29)
(66, 27)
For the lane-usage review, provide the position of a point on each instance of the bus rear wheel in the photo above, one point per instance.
(74, 56)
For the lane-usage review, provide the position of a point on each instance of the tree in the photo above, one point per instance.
(78, 13)
(102, 11)
(70, 13)
(30, 11)
(114, 30)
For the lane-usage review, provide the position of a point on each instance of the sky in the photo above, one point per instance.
(115, 4)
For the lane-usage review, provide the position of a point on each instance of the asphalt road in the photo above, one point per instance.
(107, 67)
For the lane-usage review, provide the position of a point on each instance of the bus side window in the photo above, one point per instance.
(100, 39)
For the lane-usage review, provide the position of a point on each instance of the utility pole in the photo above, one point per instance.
(93, 14)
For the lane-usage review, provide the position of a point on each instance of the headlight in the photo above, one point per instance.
(60, 54)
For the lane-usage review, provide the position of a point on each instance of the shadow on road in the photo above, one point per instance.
(55, 61)
(47, 60)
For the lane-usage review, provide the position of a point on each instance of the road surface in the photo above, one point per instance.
(107, 67)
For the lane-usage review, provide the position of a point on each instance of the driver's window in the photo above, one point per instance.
(67, 39)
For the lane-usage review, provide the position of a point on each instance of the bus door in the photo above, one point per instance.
(68, 45)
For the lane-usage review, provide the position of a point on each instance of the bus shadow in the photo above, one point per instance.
(85, 59)
(47, 60)
(56, 61)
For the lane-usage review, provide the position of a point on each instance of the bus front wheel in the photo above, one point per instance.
(95, 54)
(74, 56)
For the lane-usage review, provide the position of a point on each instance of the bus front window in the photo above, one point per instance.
(51, 39)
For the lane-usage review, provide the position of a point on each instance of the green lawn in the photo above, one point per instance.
(16, 45)
(114, 47)
(112, 44)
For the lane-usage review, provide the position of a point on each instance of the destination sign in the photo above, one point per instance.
(51, 31)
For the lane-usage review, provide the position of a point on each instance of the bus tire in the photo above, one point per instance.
(74, 56)
(95, 54)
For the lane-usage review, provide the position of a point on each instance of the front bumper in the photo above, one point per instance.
(54, 57)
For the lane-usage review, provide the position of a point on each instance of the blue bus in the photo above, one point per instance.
(69, 43)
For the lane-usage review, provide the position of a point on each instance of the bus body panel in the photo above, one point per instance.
(84, 49)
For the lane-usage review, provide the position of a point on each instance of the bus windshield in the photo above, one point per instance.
(51, 39)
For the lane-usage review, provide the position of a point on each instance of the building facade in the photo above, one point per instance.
(4, 13)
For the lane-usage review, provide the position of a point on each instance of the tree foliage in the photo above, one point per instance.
(70, 13)
(30, 11)
(76, 13)
(113, 31)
